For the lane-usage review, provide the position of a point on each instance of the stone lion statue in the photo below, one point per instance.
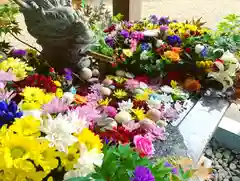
(61, 30)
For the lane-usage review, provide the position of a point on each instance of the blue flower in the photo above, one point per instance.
(204, 52)
(145, 46)
(8, 112)
(174, 40)
(155, 96)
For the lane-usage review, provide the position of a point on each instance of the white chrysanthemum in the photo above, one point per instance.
(68, 97)
(154, 103)
(166, 98)
(86, 163)
(125, 105)
(199, 48)
(78, 121)
(59, 132)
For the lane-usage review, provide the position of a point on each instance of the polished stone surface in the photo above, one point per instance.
(194, 132)
(200, 124)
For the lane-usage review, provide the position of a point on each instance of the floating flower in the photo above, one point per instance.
(174, 170)
(127, 52)
(90, 112)
(174, 40)
(131, 84)
(7, 76)
(26, 126)
(192, 85)
(89, 139)
(56, 105)
(80, 99)
(18, 52)
(173, 56)
(139, 113)
(85, 164)
(125, 105)
(8, 112)
(18, 67)
(110, 111)
(142, 173)
(104, 102)
(119, 93)
(58, 132)
(143, 145)
(199, 48)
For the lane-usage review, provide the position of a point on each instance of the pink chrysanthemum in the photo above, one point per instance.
(55, 106)
(89, 111)
(131, 84)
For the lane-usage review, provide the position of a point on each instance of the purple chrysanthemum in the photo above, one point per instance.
(109, 41)
(142, 174)
(154, 19)
(19, 52)
(124, 33)
(174, 170)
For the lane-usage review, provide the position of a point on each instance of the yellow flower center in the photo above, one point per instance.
(17, 152)
(70, 157)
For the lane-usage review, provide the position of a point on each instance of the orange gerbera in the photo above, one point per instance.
(172, 55)
(79, 99)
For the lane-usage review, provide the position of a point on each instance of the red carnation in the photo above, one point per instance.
(142, 78)
(36, 80)
(188, 50)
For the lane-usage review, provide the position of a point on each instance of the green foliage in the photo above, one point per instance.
(8, 23)
(229, 25)
(120, 161)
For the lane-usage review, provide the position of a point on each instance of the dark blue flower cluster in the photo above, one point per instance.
(8, 112)
(145, 46)
(174, 40)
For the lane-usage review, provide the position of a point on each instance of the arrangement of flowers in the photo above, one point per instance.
(53, 130)
(182, 51)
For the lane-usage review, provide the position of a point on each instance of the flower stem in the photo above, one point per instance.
(24, 42)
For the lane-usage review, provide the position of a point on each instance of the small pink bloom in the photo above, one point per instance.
(110, 111)
(131, 84)
(143, 145)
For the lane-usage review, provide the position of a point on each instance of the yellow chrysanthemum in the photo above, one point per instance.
(48, 159)
(33, 94)
(173, 84)
(127, 52)
(70, 159)
(91, 140)
(119, 79)
(59, 92)
(104, 102)
(17, 149)
(119, 93)
(26, 126)
(31, 53)
(110, 77)
(57, 83)
(18, 67)
(27, 176)
(139, 113)
(142, 97)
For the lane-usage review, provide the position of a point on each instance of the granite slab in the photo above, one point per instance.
(192, 134)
